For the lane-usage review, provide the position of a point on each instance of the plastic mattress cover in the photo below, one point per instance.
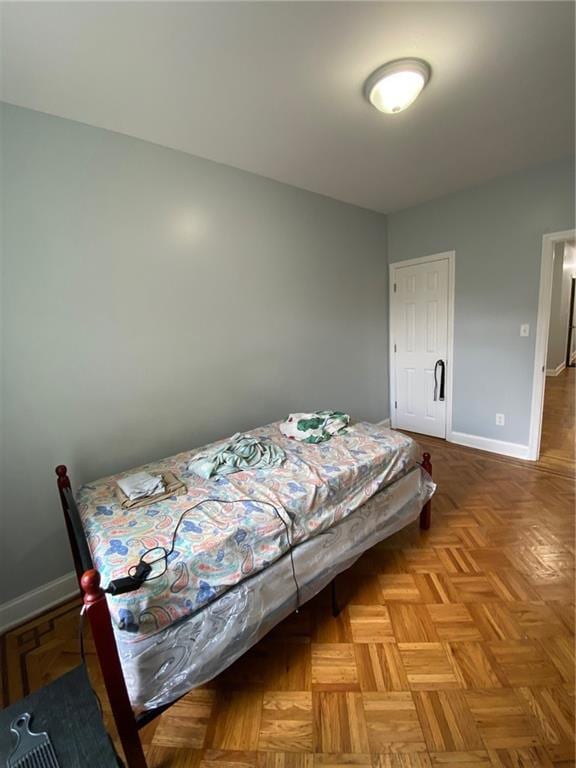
(164, 666)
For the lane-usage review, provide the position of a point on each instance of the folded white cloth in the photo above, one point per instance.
(140, 485)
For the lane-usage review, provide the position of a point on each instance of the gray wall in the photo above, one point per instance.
(153, 302)
(564, 268)
(496, 230)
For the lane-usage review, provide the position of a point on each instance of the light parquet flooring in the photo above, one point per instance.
(455, 648)
(559, 425)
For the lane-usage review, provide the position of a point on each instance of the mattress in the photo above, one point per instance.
(160, 668)
(223, 542)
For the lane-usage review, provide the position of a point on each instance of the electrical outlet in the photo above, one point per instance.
(500, 419)
(525, 330)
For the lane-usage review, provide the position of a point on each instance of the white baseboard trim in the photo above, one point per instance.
(384, 423)
(516, 450)
(555, 371)
(32, 603)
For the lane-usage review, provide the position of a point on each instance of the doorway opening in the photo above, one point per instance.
(555, 336)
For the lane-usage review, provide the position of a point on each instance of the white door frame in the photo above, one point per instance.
(451, 256)
(542, 328)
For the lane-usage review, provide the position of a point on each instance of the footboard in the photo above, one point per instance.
(78, 544)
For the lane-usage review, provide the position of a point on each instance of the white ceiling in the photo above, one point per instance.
(276, 88)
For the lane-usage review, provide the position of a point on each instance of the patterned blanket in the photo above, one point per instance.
(219, 544)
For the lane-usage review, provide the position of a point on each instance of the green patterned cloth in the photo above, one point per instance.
(314, 427)
(240, 453)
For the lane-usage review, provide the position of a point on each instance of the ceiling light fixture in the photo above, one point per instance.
(396, 85)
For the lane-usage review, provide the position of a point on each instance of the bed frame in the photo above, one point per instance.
(96, 609)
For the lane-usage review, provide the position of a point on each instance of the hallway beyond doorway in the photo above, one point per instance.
(557, 447)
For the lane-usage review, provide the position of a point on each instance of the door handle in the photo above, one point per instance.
(439, 386)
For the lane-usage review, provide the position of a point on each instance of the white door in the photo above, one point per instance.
(419, 320)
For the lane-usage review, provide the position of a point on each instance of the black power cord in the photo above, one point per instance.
(139, 574)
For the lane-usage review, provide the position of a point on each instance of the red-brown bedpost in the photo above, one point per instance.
(98, 614)
(426, 514)
(63, 483)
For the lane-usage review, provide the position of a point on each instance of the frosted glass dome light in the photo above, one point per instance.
(396, 85)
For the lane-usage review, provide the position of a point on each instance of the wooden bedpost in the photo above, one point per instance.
(426, 514)
(63, 483)
(96, 608)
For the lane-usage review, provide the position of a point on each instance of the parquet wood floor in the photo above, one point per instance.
(455, 648)
(559, 425)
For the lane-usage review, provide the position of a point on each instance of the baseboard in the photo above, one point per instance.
(384, 423)
(32, 603)
(516, 450)
(555, 371)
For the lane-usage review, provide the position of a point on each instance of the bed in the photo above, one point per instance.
(238, 569)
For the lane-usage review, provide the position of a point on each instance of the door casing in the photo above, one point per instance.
(451, 257)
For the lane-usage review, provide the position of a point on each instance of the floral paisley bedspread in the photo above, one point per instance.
(220, 544)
